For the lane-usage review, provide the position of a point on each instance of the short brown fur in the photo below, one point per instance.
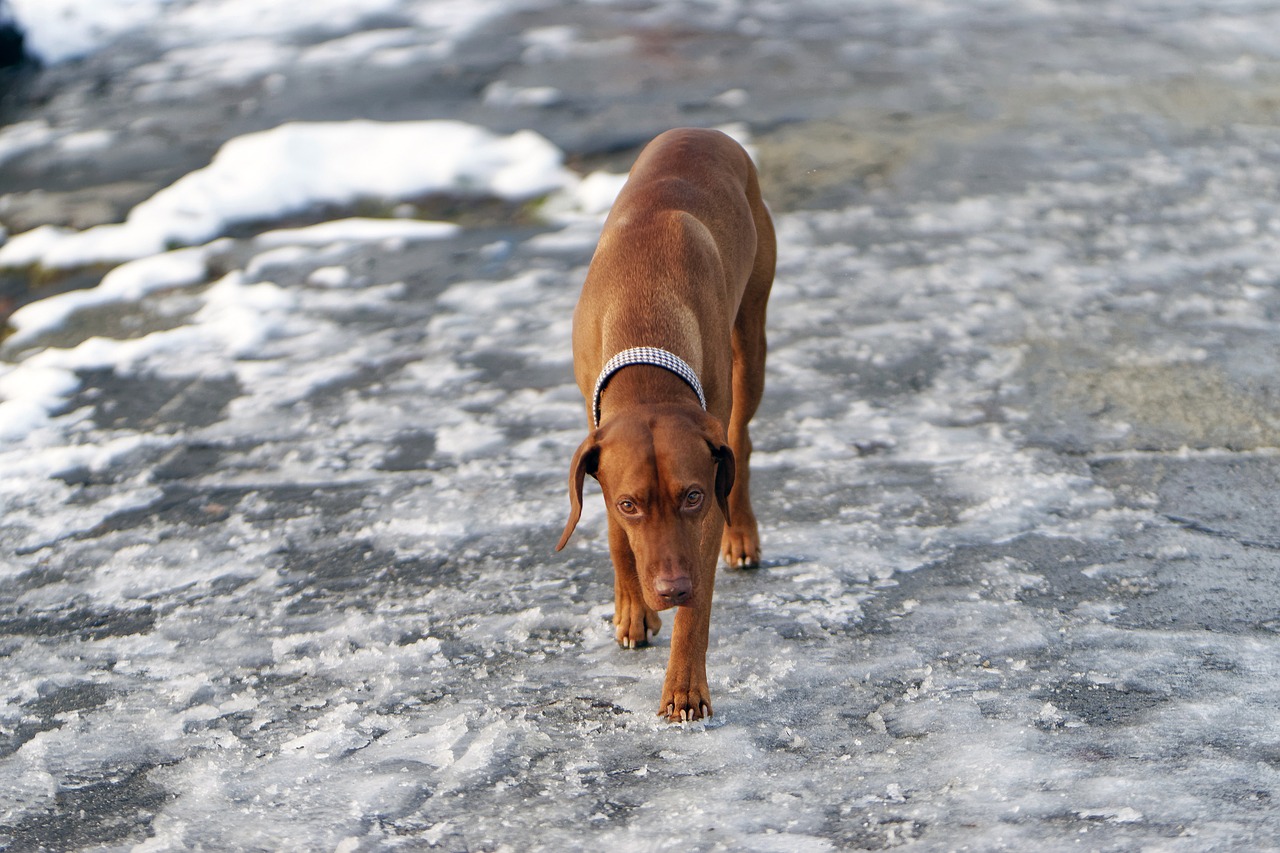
(685, 263)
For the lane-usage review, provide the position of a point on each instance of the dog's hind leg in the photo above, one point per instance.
(740, 543)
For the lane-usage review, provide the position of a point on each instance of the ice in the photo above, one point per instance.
(278, 506)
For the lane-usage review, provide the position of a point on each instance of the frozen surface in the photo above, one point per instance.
(278, 506)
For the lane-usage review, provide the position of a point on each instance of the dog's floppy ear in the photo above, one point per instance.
(585, 461)
(726, 471)
(726, 467)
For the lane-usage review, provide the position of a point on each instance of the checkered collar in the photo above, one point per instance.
(652, 356)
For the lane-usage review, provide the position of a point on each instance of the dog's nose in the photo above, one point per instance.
(674, 591)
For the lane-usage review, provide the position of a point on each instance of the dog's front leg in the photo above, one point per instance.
(633, 621)
(685, 694)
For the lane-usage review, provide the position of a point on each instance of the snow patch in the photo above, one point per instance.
(266, 175)
(58, 30)
(126, 283)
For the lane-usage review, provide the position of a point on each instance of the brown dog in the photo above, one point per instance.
(669, 349)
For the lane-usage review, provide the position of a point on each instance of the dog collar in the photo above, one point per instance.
(654, 357)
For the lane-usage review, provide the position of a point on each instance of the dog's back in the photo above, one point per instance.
(677, 248)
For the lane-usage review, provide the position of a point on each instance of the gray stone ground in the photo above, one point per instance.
(1015, 466)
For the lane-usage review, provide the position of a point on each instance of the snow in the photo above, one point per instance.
(17, 139)
(61, 30)
(357, 229)
(296, 166)
(502, 94)
(127, 282)
(58, 30)
(278, 509)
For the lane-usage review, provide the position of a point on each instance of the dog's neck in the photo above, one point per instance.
(644, 387)
(648, 376)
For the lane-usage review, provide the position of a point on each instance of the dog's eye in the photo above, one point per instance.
(693, 499)
(628, 507)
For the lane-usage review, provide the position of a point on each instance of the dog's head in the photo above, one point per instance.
(666, 479)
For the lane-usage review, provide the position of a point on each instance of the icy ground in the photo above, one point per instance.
(278, 506)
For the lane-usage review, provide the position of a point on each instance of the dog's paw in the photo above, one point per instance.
(740, 547)
(634, 623)
(685, 704)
